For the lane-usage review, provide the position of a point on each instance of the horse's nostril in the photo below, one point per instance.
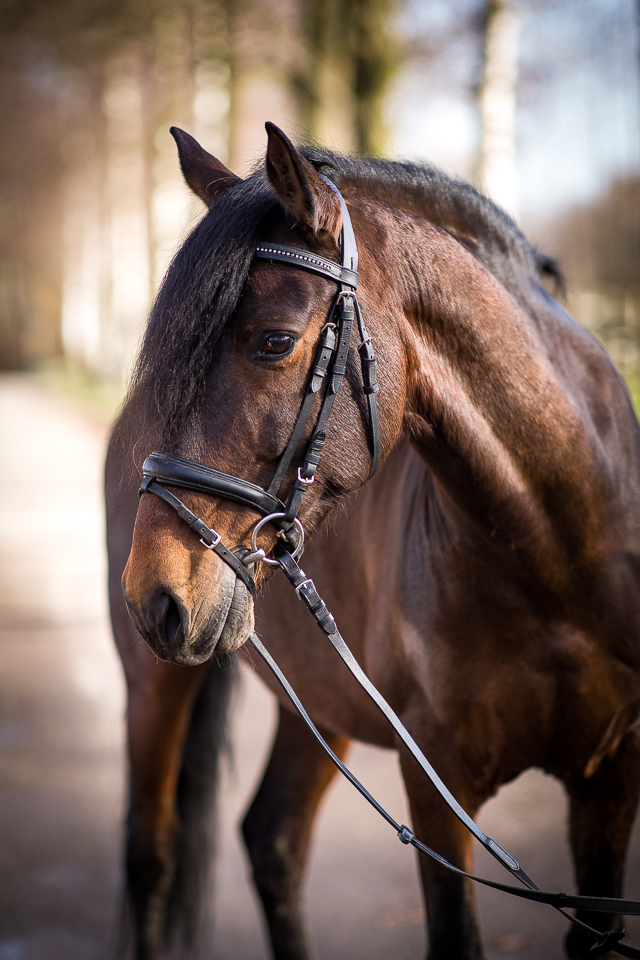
(172, 620)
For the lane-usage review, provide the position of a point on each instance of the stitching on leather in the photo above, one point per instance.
(205, 472)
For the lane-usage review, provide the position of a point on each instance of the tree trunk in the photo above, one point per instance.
(376, 58)
(351, 54)
(497, 104)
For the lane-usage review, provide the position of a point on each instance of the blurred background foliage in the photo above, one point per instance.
(537, 101)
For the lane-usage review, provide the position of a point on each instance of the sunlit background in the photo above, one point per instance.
(536, 101)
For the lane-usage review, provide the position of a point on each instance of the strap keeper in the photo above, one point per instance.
(307, 591)
(368, 362)
(347, 309)
(326, 623)
(607, 942)
(405, 835)
(316, 445)
(144, 485)
(210, 538)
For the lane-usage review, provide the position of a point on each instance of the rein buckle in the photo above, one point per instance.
(305, 583)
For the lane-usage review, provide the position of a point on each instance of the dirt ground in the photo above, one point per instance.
(61, 753)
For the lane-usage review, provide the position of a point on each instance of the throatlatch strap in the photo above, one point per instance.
(347, 237)
(368, 362)
(367, 353)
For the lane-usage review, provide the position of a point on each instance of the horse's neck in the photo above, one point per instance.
(511, 454)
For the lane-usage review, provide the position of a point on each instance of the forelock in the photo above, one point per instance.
(194, 306)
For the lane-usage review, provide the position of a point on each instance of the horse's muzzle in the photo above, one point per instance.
(187, 632)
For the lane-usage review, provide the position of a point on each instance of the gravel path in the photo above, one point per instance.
(61, 753)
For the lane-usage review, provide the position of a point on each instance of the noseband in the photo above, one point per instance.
(331, 362)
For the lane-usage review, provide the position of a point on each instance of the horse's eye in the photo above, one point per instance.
(277, 345)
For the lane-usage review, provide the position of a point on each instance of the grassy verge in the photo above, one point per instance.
(633, 382)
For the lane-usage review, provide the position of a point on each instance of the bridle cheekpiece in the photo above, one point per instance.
(330, 362)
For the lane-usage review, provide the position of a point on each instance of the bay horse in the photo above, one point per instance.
(487, 578)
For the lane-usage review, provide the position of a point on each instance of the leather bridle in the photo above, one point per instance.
(330, 366)
(330, 362)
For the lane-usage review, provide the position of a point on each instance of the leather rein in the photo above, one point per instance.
(330, 366)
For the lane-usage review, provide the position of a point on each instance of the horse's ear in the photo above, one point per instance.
(300, 187)
(205, 175)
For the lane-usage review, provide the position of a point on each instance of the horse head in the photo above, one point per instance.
(245, 333)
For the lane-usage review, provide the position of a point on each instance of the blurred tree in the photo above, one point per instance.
(43, 47)
(351, 52)
(600, 242)
(497, 103)
(469, 49)
(113, 75)
(30, 168)
(376, 58)
(90, 191)
(598, 245)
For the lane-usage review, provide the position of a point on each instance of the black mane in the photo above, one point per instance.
(197, 299)
(420, 189)
(204, 282)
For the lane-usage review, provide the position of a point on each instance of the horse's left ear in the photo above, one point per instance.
(205, 175)
(300, 187)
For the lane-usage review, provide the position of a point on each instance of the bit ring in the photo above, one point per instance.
(275, 516)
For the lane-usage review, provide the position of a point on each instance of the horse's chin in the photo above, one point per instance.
(227, 627)
(239, 622)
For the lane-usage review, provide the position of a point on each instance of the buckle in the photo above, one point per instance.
(216, 540)
(305, 583)
(306, 480)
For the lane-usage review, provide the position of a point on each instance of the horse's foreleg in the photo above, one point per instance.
(602, 811)
(452, 922)
(277, 828)
(160, 700)
(161, 697)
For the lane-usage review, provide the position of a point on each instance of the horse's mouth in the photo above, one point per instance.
(190, 637)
